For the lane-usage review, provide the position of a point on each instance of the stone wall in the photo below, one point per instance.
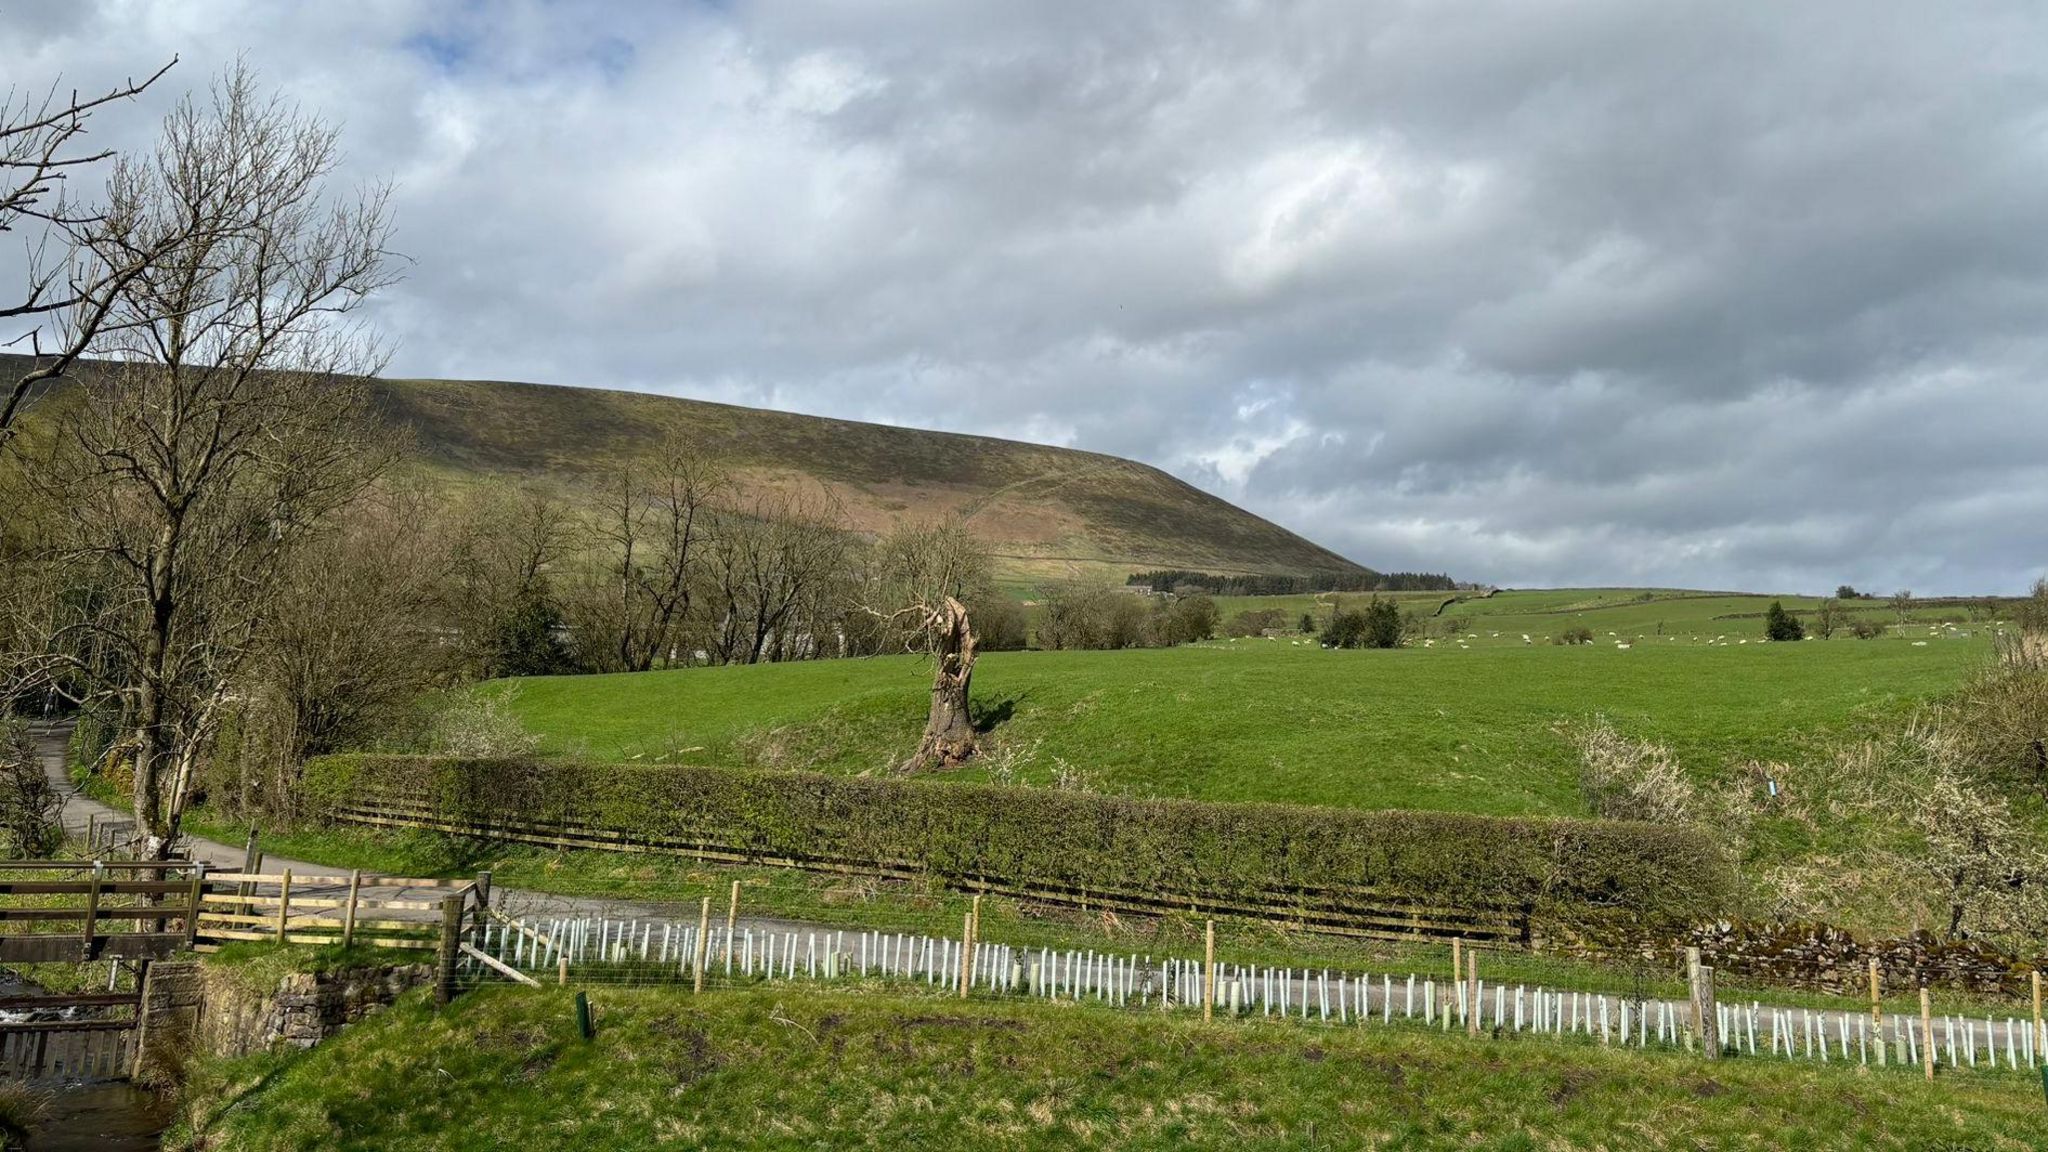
(1819, 957)
(188, 1007)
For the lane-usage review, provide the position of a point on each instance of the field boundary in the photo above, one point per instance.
(1327, 910)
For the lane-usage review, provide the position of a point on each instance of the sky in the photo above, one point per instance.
(1731, 295)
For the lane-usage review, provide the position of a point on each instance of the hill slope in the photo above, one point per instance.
(1041, 509)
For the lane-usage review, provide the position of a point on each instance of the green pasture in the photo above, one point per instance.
(1629, 615)
(793, 1067)
(1483, 729)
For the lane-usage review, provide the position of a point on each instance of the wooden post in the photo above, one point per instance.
(1709, 1012)
(2040, 1036)
(703, 940)
(977, 915)
(92, 909)
(1209, 973)
(284, 902)
(348, 916)
(562, 970)
(1472, 992)
(966, 951)
(92, 830)
(252, 863)
(1692, 985)
(198, 902)
(451, 937)
(1876, 1005)
(482, 888)
(1926, 1032)
(732, 919)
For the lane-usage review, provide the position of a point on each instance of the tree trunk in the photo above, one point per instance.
(949, 728)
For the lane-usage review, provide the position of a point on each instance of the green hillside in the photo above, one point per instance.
(1042, 510)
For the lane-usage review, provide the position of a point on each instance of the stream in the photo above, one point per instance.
(102, 1115)
(109, 1116)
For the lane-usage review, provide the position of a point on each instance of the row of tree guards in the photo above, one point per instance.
(1700, 1023)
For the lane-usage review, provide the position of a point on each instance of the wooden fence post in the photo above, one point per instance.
(703, 941)
(1876, 1005)
(284, 902)
(2040, 1036)
(966, 952)
(1209, 971)
(483, 906)
(1692, 989)
(732, 919)
(1709, 1013)
(252, 863)
(198, 902)
(451, 936)
(348, 915)
(92, 909)
(1472, 992)
(1926, 1032)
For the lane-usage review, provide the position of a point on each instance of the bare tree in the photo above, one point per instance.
(233, 418)
(1827, 618)
(508, 543)
(768, 562)
(926, 572)
(655, 517)
(79, 259)
(345, 647)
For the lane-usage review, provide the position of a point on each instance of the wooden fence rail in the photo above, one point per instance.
(1357, 911)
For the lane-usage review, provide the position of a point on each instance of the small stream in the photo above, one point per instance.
(101, 1115)
(110, 1116)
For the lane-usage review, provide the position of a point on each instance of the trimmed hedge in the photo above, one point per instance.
(1035, 837)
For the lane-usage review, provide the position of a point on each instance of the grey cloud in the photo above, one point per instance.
(1735, 295)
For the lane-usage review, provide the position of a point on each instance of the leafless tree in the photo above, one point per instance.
(926, 572)
(346, 645)
(79, 258)
(1827, 618)
(233, 415)
(769, 560)
(508, 543)
(654, 517)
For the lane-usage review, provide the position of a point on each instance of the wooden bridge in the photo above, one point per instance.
(133, 912)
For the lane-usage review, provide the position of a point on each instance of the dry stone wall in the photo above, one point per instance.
(188, 1007)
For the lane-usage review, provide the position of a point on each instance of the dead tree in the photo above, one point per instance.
(949, 733)
(925, 572)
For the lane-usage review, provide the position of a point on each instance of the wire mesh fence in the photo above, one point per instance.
(656, 952)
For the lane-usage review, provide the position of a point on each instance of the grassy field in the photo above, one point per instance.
(1481, 730)
(794, 1068)
(1648, 616)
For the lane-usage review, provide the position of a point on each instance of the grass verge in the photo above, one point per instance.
(505, 1068)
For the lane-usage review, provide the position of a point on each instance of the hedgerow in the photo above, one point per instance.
(1263, 853)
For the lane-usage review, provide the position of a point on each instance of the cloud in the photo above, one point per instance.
(1731, 295)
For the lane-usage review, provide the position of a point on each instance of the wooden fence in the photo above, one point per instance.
(326, 909)
(1338, 909)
